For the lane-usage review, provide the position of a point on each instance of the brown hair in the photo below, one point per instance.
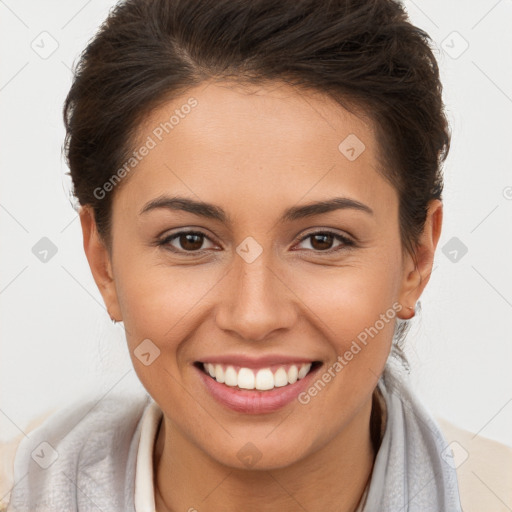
(365, 54)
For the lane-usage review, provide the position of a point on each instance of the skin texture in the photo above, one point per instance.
(256, 152)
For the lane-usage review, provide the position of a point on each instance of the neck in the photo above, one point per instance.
(332, 478)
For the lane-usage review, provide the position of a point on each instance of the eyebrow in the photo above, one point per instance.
(214, 212)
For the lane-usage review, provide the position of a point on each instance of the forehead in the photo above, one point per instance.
(259, 142)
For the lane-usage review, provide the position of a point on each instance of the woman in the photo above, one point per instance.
(260, 188)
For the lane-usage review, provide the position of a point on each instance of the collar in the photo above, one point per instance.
(144, 487)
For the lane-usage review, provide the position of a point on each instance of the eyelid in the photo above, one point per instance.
(347, 242)
(167, 238)
(328, 231)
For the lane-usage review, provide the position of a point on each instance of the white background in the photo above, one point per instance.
(57, 342)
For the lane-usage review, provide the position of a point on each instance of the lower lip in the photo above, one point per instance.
(254, 401)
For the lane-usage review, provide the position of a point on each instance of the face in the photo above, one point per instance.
(263, 282)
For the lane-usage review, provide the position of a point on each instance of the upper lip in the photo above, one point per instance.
(246, 361)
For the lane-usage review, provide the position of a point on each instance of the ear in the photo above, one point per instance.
(100, 262)
(416, 274)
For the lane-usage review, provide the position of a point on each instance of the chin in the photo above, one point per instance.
(264, 453)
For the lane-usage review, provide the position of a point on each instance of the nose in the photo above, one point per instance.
(256, 300)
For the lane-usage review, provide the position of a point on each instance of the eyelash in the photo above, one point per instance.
(347, 242)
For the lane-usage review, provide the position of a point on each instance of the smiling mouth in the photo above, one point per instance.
(262, 379)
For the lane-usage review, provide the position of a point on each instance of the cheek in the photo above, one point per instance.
(159, 302)
(365, 312)
(356, 313)
(350, 299)
(355, 308)
(158, 306)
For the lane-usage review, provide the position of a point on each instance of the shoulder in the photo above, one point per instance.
(484, 469)
(7, 454)
(110, 419)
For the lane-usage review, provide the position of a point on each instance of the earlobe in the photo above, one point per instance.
(99, 262)
(417, 269)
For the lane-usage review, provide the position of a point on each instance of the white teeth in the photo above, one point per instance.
(246, 378)
(304, 370)
(280, 378)
(230, 377)
(219, 373)
(263, 380)
(293, 373)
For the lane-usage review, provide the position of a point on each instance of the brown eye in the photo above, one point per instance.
(322, 241)
(185, 241)
(190, 241)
